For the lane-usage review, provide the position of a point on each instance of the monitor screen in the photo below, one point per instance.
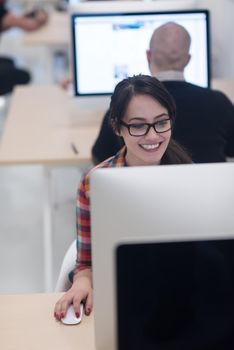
(175, 295)
(108, 47)
(161, 211)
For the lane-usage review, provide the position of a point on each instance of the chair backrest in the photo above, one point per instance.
(63, 283)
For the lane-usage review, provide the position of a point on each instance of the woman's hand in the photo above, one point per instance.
(81, 291)
(36, 21)
(28, 23)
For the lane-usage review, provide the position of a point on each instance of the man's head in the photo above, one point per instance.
(169, 48)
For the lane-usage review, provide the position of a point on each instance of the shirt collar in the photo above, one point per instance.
(120, 158)
(170, 75)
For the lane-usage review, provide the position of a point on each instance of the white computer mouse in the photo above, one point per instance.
(70, 317)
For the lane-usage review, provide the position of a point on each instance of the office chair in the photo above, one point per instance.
(63, 283)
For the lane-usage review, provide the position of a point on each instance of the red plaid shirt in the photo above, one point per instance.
(83, 211)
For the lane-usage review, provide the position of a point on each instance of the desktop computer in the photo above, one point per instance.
(108, 47)
(162, 253)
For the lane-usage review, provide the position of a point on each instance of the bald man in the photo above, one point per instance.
(205, 118)
(169, 50)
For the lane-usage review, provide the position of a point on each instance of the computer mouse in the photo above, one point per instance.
(70, 317)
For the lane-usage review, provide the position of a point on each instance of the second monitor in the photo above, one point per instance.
(108, 47)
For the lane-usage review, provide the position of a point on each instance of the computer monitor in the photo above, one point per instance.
(108, 47)
(158, 205)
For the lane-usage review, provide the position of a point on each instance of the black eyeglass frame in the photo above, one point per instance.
(149, 125)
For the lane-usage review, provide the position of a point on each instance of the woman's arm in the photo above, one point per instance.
(81, 290)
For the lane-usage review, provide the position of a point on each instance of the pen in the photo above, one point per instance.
(73, 147)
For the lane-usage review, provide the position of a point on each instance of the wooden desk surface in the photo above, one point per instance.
(55, 33)
(27, 323)
(42, 123)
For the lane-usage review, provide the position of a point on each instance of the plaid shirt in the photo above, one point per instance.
(83, 211)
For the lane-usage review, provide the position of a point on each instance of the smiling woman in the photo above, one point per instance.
(142, 112)
(147, 131)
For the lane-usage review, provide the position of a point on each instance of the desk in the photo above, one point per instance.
(27, 323)
(42, 124)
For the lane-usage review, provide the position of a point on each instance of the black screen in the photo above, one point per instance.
(176, 295)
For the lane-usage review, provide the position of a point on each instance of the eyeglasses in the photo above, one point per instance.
(141, 129)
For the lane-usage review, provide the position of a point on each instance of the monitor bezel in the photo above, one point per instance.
(132, 13)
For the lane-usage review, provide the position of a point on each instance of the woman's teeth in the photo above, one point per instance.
(149, 147)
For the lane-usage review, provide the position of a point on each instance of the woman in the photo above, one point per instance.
(142, 112)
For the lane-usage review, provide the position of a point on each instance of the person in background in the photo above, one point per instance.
(10, 75)
(142, 112)
(205, 118)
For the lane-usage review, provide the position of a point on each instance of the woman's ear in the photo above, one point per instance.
(118, 132)
(115, 128)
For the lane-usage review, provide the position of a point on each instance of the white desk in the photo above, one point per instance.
(27, 323)
(42, 125)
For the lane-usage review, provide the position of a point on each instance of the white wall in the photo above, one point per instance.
(222, 42)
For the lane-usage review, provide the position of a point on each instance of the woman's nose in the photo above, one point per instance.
(152, 133)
